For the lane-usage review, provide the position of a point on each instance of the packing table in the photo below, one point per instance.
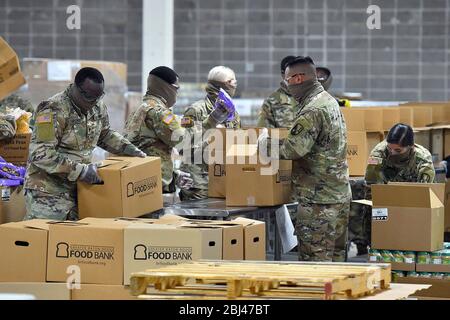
(216, 209)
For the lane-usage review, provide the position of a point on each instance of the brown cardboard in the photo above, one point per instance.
(373, 118)
(440, 288)
(39, 290)
(354, 119)
(96, 248)
(13, 209)
(149, 246)
(446, 143)
(217, 178)
(11, 78)
(102, 292)
(415, 217)
(16, 150)
(23, 246)
(422, 136)
(401, 266)
(391, 116)
(244, 180)
(254, 238)
(447, 206)
(423, 116)
(433, 268)
(132, 187)
(440, 110)
(357, 152)
(407, 116)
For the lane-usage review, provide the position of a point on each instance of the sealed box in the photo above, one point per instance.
(408, 217)
(24, 251)
(246, 175)
(11, 78)
(16, 150)
(254, 238)
(95, 248)
(131, 187)
(357, 152)
(150, 246)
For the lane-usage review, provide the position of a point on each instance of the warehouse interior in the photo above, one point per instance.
(225, 149)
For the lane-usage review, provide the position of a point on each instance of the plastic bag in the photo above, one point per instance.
(22, 118)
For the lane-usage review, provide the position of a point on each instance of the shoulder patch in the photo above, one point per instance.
(44, 118)
(45, 130)
(374, 161)
(297, 129)
(187, 122)
(168, 118)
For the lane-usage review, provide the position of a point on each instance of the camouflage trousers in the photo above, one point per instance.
(321, 231)
(359, 225)
(42, 205)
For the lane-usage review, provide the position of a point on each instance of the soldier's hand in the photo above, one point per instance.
(184, 180)
(135, 152)
(223, 107)
(90, 175)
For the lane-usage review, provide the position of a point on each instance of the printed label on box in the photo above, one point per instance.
(380, 214)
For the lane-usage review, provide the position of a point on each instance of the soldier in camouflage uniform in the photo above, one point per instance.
(278, 109)
(68, 127)
(218, 77)
(15, 101)
(156, 130)
(317, 144)
(397, 159)
(7, 127)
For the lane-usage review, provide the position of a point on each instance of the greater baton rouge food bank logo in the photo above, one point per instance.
(143, 252)
(66, 251)
(142, 186)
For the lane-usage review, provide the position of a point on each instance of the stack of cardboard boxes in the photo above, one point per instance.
(238, 172)
(408, 218)
(101, 254)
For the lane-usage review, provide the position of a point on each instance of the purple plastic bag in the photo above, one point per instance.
(10, 171)
(10, 183)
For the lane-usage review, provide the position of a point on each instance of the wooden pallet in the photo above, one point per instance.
(253, 280)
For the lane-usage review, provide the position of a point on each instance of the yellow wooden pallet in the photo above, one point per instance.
(253, 279)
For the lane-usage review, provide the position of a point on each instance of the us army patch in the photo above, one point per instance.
(44, 128)
(187, 122)
(374, 161)
(168, 118)
(297, 129)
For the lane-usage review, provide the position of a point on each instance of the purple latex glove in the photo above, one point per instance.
(224, 101)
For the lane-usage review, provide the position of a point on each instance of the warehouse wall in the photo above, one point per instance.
(406, 60)
(110, 30)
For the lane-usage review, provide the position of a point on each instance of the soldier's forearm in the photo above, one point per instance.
(54, 162)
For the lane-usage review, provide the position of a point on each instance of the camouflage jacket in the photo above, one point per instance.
(63, 139)
(278, 110)
(15, 101)
(418, 168)
(155, 130)
(199, 111)
(317, 144)
(7, 127)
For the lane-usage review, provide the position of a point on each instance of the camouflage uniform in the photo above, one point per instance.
(199, 111)
(151, 128)
(7, 127)
(417, 168)
(278, 110)
(62, 141)
(15, 101)
(360, 218)
(317, 144)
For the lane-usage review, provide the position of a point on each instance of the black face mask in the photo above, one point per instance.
(300, 90)
(399, 160)
(158, 87)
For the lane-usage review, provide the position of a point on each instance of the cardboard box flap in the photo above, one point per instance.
(114, 164)
(40, 224)
(246, 222)
(242, 150)
(6, 52)
(393, 195)
(438, 188)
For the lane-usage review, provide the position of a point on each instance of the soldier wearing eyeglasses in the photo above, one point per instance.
(68, 126)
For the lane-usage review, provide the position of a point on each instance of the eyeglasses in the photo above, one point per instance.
(286, 80)
(88, 97)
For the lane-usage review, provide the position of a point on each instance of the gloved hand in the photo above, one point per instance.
(184, 180)
(223, 107)
(264, 142)
(132, 151)
(89, 174)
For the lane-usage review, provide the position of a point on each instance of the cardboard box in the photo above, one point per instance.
(11, 78)
(246, 174)
(440, 110)
(440, 288)
(132, 187)
(16, 150)
(407, 116)
(422, 136)
(391, 116)
(433, 268)
(23, 246)
(96, 248)
(401, 266)
(13, 209)
(447, 207)
(38, 290)
(357, 152)
(254, 238)
(102, 292)
(423, 116)
(408, 217)
(373, 119)
(354, 119)
(217, 178)
(373, 138)
(149, 246)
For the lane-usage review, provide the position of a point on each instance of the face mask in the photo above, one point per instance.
(230, 88)
(399, 159)
(158, 87)
(299, 91)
